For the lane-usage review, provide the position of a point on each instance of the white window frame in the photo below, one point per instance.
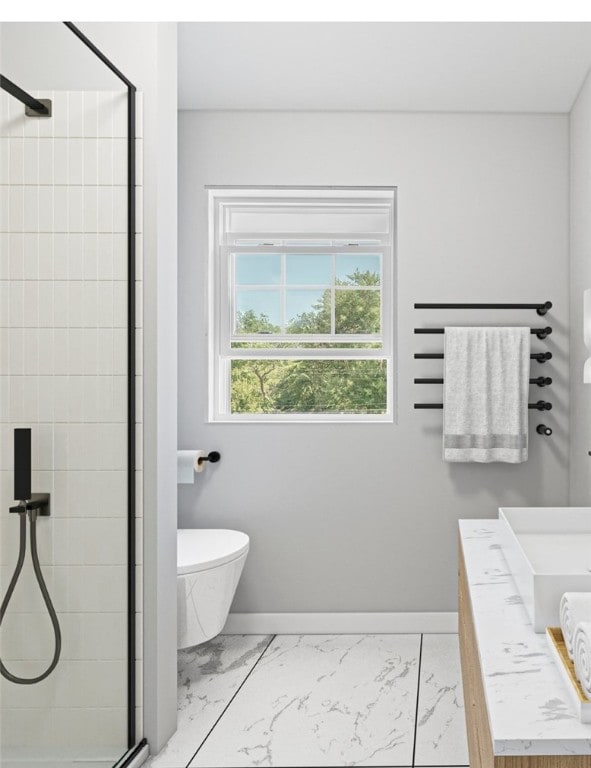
(221, 296)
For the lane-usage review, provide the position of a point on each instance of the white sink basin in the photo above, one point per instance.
(548, 550)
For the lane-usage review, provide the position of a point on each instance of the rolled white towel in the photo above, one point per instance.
(582, 646)
(575, 607)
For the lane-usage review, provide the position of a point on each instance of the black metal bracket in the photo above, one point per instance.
(213, 457)
(545, 307)
(38, 502)
(45, 103)
(541, 333)
(542, 429)
(33, 107)
(541, 357)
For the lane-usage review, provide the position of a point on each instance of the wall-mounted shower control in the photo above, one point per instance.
(39, 502)
(28, 502)
(30, 506)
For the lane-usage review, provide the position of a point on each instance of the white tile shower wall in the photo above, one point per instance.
(63, 351)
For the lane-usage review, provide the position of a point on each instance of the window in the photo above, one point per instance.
(301, 307)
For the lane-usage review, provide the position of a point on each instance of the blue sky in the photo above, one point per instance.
(301, 271)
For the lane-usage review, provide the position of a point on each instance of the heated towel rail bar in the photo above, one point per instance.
(541, 357)
(541, 309)
(541, 381)
(541, 405)
(541, 333)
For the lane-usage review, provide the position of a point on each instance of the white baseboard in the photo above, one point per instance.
(340, 623)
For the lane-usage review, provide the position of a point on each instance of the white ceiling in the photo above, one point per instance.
(466, 67)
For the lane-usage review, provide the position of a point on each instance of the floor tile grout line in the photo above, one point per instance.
(266, 648)
(414, 744)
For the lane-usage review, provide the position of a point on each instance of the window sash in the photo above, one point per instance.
(226, 267)
(221, 405)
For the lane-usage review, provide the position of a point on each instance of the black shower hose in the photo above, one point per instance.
(41, 581)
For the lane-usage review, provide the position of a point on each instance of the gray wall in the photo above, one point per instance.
(362, 517)
(580, 279)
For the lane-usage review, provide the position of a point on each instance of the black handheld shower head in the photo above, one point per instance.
(22, 464)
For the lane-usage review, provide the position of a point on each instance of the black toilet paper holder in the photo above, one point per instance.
(212, 456)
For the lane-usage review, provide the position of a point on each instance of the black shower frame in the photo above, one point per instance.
(132, 744)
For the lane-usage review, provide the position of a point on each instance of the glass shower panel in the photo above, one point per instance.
(64, 376)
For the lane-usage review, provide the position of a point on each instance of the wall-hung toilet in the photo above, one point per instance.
(209, 565)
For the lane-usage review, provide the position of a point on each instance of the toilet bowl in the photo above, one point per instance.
(209, 565)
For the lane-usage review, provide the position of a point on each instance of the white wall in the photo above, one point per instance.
(63, 364)
(580, 279)
(146, 54)
(41, 55)
(363, 517)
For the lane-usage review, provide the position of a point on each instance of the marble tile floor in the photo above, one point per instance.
(313, 701)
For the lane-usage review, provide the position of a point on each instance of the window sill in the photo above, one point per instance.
(303, 419)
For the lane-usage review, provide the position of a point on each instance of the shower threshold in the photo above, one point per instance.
(42, 757)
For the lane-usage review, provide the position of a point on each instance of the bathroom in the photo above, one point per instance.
(339, 646)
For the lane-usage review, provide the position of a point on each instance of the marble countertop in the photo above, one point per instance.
(529, 708)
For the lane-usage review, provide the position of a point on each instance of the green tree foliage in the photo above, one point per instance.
(356, 311)
(252, 380)
(333, 386)
(250, 322)
(315, 386)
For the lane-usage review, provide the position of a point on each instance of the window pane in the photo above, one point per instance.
(258, 269)
(309, 269)
(309, 386)
(357, 311)
(307, 311)
(258, 312)
(353, 269)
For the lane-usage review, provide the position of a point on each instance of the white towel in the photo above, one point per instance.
(582, 644)
(575, 607)
(485, 394)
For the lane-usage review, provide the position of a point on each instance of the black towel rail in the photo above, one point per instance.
(541, 381)
(541, 405)
(541, 357)
(541, 333)
(541, 309)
